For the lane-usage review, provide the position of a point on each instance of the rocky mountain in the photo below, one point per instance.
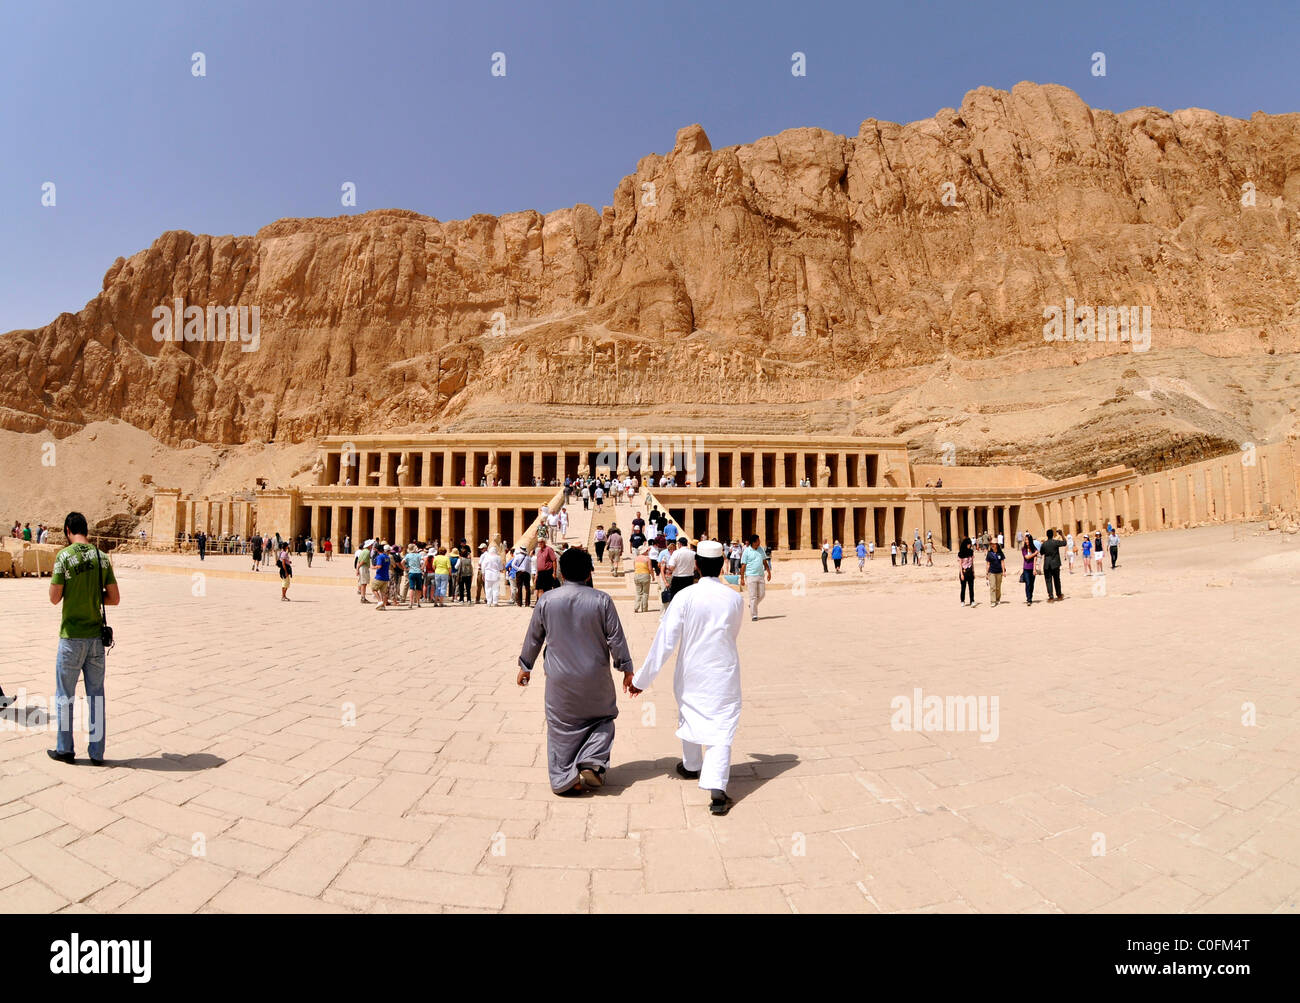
(893, 282)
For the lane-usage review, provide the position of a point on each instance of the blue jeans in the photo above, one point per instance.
(78, 656)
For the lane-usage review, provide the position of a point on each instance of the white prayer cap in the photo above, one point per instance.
(368, 543)
(709, 548)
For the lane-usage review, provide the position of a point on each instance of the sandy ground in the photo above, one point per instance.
(1126, 773)
(111, 468)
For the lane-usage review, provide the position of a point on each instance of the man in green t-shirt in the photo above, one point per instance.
(83, 579)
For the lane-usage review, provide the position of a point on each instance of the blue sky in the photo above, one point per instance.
(398, 98)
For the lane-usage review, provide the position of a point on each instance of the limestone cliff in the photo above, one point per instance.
(807, 271)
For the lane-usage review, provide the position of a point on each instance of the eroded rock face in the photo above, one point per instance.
(793, 270)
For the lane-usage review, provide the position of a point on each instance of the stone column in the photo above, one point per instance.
(828, 528)
(800, 461)
(758, 469)
(423, 523)
(494, 522)
(711, 475)
(559, 465)
(713, 522)
(780, 470)
(805, 528)
(537, 463)
(315, 525)
(514, 469)
(842, 470)
(992, 526)
(692, 474)
(447, 537)
(735, 469)
(446, 468)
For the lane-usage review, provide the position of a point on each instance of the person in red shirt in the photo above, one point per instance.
(545, 568)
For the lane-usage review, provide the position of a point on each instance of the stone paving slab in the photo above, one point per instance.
(320, 756)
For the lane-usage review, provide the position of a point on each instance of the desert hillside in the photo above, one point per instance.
(804, 281)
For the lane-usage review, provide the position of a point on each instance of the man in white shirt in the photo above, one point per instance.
(490, 567)
(702, 627)
(681, 568)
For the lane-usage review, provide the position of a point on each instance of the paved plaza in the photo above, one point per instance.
(321, 756)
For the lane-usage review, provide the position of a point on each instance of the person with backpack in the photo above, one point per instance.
(361, 562)
(465, 575)
(84, 583)
(413, 564)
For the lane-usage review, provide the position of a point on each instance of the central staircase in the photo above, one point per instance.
(582, 533)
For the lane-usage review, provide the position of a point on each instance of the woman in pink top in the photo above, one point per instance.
(1030, 554)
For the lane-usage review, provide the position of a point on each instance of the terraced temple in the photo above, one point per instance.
(793, 491)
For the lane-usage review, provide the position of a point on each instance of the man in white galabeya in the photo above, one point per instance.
(702, 624)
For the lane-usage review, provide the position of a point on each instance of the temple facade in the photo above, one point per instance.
(794, 492)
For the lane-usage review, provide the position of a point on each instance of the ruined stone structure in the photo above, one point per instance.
(481, 487)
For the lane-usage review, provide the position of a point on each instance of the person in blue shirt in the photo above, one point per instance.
(862, 555)
(995, 560)
(382, 564)
(1087, 554)
(837, 555)
(414, 562)
(755, 573)
(670, 532)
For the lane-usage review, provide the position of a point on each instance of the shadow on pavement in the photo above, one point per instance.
(170, 763)
(747, 775)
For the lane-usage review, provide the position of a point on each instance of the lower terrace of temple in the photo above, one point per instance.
(794, 492)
